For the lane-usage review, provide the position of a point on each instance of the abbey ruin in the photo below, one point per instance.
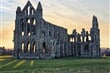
(36, 38)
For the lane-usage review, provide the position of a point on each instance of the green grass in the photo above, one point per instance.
(61, 65)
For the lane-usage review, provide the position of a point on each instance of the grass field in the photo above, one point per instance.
(62, 65)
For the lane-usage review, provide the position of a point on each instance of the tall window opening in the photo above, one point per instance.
(28, 46)
(28, 21)
(22, 33)
(34, 21)
(34, 49)
(29, 34)
(29, 10)
(44, 47)
(22, 47)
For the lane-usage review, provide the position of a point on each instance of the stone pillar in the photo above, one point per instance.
(30, 10)
(69, 49)
(25, 47)
(82, 49)
(25, 28)
(36, 49)
(63, 51)
(58, 49)
(26, 12)
(76, 49)
(31, 24)
(31, 47)
(20, 47)
(18, 50)
(72, 49)
(66, 47)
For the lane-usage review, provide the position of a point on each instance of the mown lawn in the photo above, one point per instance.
(61, 65)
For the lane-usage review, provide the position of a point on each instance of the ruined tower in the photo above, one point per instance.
(95, 35)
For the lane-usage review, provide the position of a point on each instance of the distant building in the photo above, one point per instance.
(36, 38)
(2, 50)
(105, 52)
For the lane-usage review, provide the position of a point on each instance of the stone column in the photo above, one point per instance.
(66, 49)
(76, 49)
(30, 10)
(26, 12)
(69, 49)
(31, 24)
(36, 48)
(82, 49)
(57, 47)
(25, 47)
(63, 51)
(25, 28)
(20, 47)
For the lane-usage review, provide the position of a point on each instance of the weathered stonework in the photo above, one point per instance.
(36, 38)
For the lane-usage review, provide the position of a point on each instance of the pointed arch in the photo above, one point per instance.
(28, 10)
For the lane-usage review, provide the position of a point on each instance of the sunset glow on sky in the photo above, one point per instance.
(71, 14)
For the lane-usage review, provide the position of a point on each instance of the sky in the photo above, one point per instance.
(71, 14)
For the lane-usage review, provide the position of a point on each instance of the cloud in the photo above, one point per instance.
(71, 14)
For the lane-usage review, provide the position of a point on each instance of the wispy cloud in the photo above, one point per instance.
(70, 14)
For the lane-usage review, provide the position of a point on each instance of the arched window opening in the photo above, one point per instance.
(34, 22)
(29, 34)
(81, 39)
(71, 39)
(28, 46)
(34, 49)
(22, 33)
(28, 21)
(50, 34)
(84, 39)
(22, 47)
(44, 47)
(90, 38)
(32, 11)
(29, 10)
